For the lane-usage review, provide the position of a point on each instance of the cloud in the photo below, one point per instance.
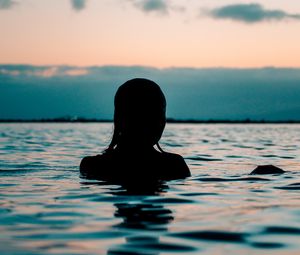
(159, 6)
(76, 72)
(154, 6)
(162, 7)
(48, 72)
(250, 13)
(4, 71)
(78, 5)
(6, 4)
(42, 71)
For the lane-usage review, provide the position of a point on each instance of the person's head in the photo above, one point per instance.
(140, 113)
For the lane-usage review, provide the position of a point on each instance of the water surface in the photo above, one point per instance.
(46, 208)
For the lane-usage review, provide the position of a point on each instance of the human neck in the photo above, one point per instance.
(137, 147)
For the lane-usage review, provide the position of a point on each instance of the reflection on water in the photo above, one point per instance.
(141, 217)
(45, 208)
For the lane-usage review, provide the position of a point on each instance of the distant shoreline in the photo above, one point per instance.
(170, 120)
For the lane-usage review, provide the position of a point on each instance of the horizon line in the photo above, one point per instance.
(168, 120)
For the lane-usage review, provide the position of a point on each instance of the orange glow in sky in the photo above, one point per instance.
(178, 33)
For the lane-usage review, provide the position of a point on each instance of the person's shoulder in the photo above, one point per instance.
(92, 163)
(171, 155)
(176, 164)
(88, 161)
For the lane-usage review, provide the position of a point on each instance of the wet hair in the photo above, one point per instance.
(140, 111)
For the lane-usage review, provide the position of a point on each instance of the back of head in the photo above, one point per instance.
(139, 116)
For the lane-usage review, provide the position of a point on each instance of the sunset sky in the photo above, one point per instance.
(174, 33)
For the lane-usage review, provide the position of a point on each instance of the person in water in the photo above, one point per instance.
(139, 121)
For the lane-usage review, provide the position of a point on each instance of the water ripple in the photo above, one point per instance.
(219, 236)
(46, 208)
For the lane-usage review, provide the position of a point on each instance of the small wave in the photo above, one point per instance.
(196, 158)
(62, 214)
(269, 144)
(112, 199)
(173, 144)
(222, 236)
(292, 186)
(231, 179)
(101, 183)
(287, 157)
(288, 188)
(21, 169)
(277, 156)
(8, 184)
(199, 194)
(17, 171)
(77, 196)
(282, 230)
(169, 200)
(242, 146)
(64, 206)
(75, 236)
(259, 148)
(161, 246)
(32, 219)
(267, 245)
(235, 156)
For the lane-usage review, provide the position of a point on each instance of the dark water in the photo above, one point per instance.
(45, 208)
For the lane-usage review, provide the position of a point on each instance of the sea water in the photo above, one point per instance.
(46, 208)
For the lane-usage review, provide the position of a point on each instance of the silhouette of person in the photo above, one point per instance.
(139, 121)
